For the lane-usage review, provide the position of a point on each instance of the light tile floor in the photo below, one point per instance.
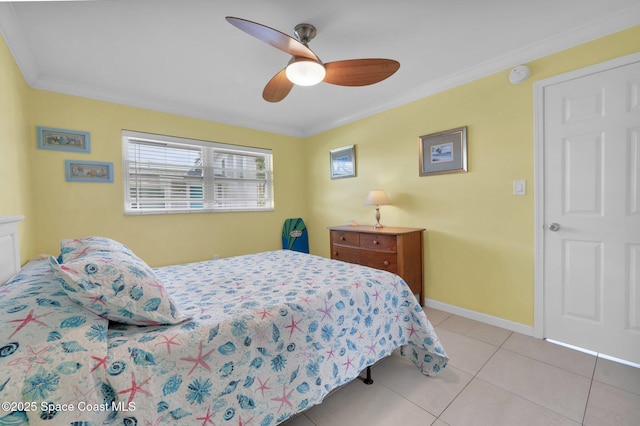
(494, 377)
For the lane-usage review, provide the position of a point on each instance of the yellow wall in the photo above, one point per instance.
(479, 243)
(77, 209)
(15, 138)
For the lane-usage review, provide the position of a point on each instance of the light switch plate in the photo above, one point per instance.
(519, 187)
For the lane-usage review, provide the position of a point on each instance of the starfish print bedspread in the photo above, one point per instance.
(268, 335)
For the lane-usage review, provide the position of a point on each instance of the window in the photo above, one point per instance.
(164, 174)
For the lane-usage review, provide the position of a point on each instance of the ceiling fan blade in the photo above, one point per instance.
(359, 72)
(275, 38)
(277, 88)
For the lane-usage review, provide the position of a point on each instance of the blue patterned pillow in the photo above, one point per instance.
(73, 249)
(118, 286)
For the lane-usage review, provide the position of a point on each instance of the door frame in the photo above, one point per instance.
(538, 176)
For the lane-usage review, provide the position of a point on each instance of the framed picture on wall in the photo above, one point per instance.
(63, 140)
(88, 171)
(343, 162)
(444, 152)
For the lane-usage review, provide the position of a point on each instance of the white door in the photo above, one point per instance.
(592, 211)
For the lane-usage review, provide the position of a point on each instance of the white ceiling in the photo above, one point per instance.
(182, 57)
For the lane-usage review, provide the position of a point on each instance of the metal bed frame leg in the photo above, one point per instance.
(368, 380)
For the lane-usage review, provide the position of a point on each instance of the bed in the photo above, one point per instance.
(251, 339)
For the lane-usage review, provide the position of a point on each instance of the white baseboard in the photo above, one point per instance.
(479, 316)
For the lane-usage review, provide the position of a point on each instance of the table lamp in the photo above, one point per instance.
(377, 198)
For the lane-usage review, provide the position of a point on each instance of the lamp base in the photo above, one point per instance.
(378, 224)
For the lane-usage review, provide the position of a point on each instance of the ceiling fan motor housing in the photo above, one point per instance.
(304, 33)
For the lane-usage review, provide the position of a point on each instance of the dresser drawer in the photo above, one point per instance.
(378, 242)
(379, 260)
(345, 254)
(346, 238)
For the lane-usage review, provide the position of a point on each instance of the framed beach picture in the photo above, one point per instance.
(343, 162)
(88, 171)
(63, 140)
(444, 152)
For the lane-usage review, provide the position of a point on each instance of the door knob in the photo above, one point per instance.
(554, 227)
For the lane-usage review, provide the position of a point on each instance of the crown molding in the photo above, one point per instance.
(157, 104)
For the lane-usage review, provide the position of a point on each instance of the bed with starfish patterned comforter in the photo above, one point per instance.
(247, 340)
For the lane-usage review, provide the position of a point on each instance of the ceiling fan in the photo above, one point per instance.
(305, 68)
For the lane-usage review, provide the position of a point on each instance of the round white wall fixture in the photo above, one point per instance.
(519, 74)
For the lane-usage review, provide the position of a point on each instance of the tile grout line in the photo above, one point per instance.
(475, 375)
(593, 375)
(598, 357)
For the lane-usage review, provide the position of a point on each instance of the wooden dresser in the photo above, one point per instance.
(393, 249)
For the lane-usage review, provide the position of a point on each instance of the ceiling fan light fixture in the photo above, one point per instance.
(305, 68)
(305, 72)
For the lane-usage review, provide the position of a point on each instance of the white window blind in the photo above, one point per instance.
(166, 174)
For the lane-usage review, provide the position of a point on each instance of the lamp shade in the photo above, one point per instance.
(377, 197)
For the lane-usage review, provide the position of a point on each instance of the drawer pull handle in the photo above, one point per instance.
(342, 238)
(386, 263)
(375, 242)
(335, 253)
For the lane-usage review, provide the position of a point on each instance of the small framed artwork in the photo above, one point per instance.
(63, 140)
(88, 171)
(343, 162)
(444, 152)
